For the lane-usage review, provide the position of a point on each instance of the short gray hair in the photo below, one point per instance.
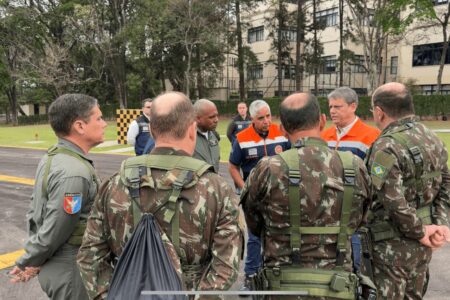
(146, 100)
(199, 106)
(256, 105)
(345, 93)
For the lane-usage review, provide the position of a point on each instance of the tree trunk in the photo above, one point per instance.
(12, 99)
(341, 42)
(445, 37)
(188, 69)
(316, 58)
(200, 84)
(299, 41)
(118, 73)
(240, 51)
(279, 49)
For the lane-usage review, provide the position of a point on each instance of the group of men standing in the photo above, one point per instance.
(303, 200)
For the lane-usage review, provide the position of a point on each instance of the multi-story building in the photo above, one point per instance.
(413, 58)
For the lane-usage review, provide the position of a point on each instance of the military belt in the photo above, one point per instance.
(315, 282)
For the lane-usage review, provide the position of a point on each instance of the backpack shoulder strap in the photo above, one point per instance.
(349, 184)
(292, 160)
(134, 168)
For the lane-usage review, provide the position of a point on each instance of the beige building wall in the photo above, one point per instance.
(354, 77)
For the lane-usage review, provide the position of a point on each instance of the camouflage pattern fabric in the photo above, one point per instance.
(209, 232)
(400, 263)
(265, 201)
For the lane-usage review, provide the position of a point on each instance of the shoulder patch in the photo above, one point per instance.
(72, 203)
(278, 149)
(381, 166)
(378, 170)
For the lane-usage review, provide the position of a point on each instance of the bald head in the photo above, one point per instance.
(300, 111)
(394, 99)
(206, 115)
(172, 113)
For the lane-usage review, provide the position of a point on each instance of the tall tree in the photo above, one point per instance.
(367, 31)
(341, 42)
(240, 50)
(279, 27)
(299, 43)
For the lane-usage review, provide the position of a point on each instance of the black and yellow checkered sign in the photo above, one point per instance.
(123, 120)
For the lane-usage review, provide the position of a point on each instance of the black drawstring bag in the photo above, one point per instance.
(144, 266)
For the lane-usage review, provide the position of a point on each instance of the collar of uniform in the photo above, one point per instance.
(347, 129)
(311, 141)
(240, 118)
(63, 143)
(203, 134)
(168, 151)
(400, 122)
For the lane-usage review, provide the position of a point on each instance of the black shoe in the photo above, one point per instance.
(247, 285)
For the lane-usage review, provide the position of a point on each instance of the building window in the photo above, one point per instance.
(328, 64)
(255, 94)
(327, 17)
(439, 2)
(283, 93)
(289, 34)
(369, 19)
(287, 71)
(255, 34)
(432, 89)
(255, 72)
(357, 64)
(428, 55)
(394, 65)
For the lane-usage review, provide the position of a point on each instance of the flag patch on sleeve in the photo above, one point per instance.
(72, 203)
(378, 170)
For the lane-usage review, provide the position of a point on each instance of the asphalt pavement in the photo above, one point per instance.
(20, 164)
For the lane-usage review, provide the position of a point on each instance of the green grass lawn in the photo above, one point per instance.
(42, 137)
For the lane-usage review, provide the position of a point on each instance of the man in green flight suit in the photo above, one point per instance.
(305, 203)
(411, 181)
(64, 191)
(197, 211)
(207, 145)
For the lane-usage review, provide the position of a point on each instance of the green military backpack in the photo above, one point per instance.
(189, 171)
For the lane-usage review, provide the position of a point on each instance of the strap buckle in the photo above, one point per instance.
(349, 177)
(295, 256)
(276, 271)
(294, 177)
(417, 156)
(340, 257)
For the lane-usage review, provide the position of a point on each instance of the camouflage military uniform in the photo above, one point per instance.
(209, 233)
(265, 201)
(400, 263)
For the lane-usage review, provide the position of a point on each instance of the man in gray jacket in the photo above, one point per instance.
(207, 146)
(64, 191)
